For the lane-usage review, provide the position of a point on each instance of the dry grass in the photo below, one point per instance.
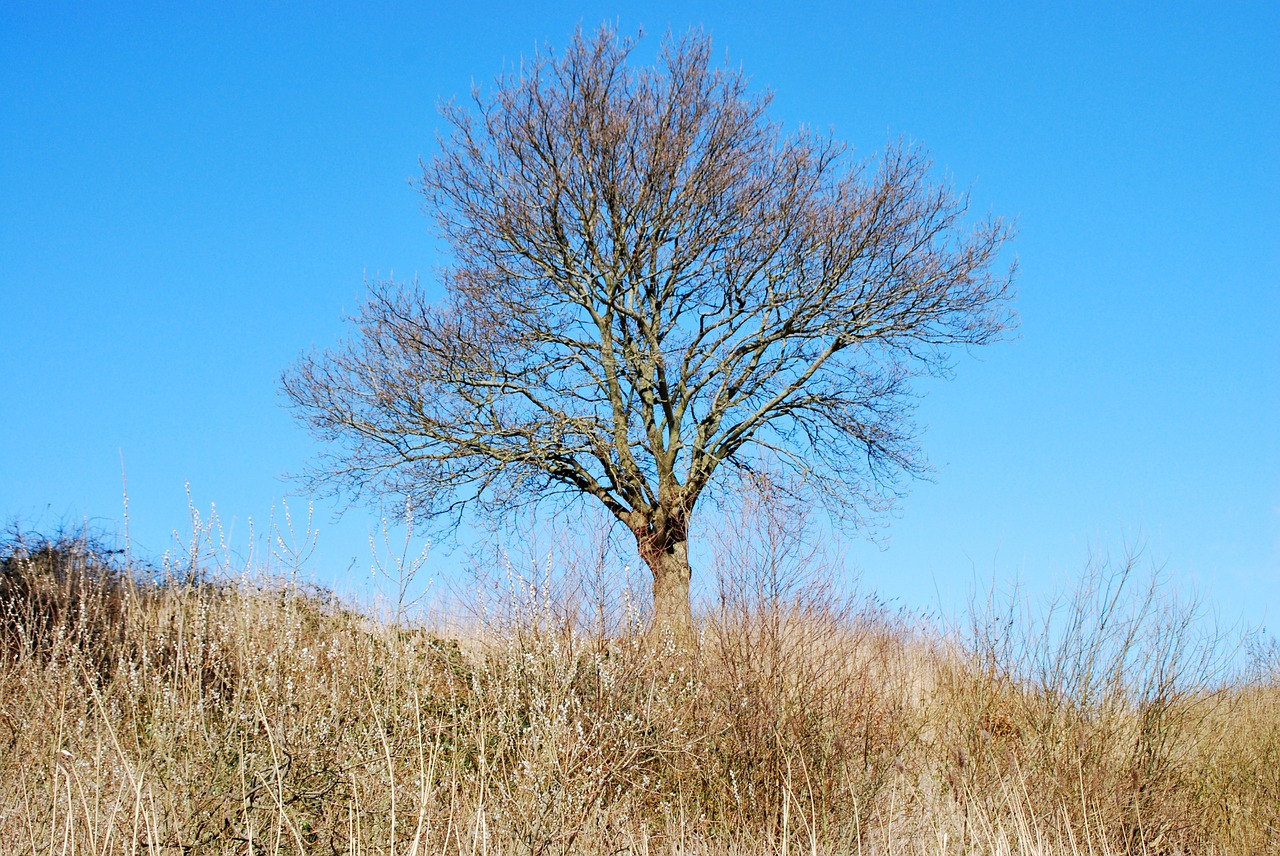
(251, 715)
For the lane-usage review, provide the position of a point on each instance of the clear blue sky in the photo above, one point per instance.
(191, 194)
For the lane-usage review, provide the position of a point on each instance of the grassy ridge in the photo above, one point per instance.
(252, 715)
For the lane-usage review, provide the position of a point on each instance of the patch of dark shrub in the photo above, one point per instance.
(68, 591)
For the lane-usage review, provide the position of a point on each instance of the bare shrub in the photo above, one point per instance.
(61, 593)
(1098, 703)
(807, 679)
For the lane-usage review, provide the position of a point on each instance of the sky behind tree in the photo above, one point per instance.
(193, 194)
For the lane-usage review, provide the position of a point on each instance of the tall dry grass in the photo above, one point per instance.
(220, 713)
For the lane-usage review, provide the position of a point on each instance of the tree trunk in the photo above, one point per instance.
(668, 559)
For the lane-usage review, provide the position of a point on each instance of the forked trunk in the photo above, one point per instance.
(668, 559)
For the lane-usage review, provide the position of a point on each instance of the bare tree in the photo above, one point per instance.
(651, 283)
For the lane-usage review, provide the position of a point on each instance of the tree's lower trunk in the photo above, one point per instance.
(672, 612)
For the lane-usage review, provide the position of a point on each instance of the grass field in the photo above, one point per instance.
(152, 712)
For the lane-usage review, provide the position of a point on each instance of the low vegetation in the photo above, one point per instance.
(145, 712)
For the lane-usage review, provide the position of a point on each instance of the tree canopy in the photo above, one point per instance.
(652, 283)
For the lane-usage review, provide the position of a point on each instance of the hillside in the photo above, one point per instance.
(141, 713)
